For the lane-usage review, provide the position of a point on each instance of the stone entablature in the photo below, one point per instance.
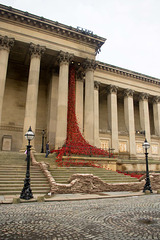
(126, 73)
(57, 28)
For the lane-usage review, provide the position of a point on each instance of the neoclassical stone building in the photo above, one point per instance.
(112, 103)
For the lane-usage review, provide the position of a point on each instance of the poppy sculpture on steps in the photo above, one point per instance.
(75, 143)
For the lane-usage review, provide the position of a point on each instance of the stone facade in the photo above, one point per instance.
(35, 55)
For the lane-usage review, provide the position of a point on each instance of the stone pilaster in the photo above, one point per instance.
(79, 99)
(113, 116)
(89, 66)
(62, 104)
(129, 120)
(5, 45)
(32, 90)
(52, 109)
(144, 115)
(156, 114)
(96, 115)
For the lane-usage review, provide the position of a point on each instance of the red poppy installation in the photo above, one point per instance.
(75, 143)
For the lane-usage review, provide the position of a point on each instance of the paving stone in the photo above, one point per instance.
(100, 219)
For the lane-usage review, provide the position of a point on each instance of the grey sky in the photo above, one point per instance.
(132, 27)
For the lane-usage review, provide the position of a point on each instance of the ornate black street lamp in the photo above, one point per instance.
(43, 133)
(26, 191)
(147, 186)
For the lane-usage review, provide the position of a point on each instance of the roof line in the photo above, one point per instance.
(79, 34)
(126, 72)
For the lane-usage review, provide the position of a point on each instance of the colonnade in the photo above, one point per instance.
(88, 117)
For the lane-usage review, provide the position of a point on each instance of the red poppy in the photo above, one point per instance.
(75, 143)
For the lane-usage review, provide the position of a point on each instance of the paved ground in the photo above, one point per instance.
(127, 218)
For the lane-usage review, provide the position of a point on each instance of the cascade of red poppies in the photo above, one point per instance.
(75, 143)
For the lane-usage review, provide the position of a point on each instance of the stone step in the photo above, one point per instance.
(103, 178)
(94, 173)
(8, 182)
(11, 185)
(62, 181)
(17, 192)
(33, 178)
(12, 175)
(63, 174)
(20, 187)
(109, 174)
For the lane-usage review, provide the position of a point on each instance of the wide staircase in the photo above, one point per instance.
(12, 175)
(13, 170)
(63, 174)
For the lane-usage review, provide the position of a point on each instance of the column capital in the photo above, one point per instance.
(65, 57)
(156, 99)
(96, 85)
(112, 89)
(128, 92)
(89, 64)
(143, 96)
(6, 42)
(36, 50)
(80, 76)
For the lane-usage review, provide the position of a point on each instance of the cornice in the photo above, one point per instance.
(127, 73)
(15, 15)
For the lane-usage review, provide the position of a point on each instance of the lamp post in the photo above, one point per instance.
(147, 186)
(43, 133)
(26, 191)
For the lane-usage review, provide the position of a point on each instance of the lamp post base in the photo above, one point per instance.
(147, 186)
(26, 191)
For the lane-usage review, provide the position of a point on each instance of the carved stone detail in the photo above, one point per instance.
(112, 88)
(36, 50)
(65, 57)
(96, 85)
(143, 96)
(6, 42)
(80, 76)
(128, 92)
(89, 64)
(156, 99)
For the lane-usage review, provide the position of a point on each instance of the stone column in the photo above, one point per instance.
(62, 105)
(79, 99)
(32, 90)
(52, 109)
(96, 115)
(5, 46)
(156, 114)
(89, 66)
(113, 116)
(144, 115)
(129, 120)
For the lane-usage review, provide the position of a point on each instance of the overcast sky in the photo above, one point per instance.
(131, 27)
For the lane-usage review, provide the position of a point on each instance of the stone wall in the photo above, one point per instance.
(87, 183)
